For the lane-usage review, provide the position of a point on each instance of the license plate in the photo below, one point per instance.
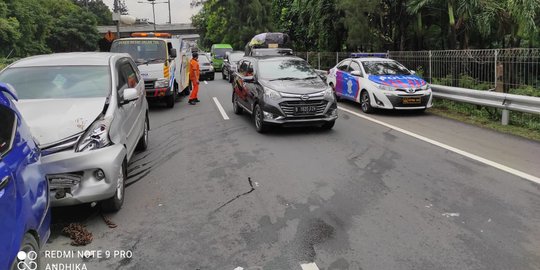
(411, 100)
(305, 109)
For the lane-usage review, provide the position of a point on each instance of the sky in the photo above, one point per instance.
(181, 11)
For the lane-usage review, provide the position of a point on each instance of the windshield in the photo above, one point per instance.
(220, 52)
(59, 82)
(277, 69)
(385, 68)
(203, 59)
(142, 51)
(235, 57)
(7, 122)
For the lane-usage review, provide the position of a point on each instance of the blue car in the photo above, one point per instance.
(24, 192)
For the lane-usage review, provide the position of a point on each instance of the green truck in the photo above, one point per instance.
(218, 53)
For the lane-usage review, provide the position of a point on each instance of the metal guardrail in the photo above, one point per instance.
(506, 102)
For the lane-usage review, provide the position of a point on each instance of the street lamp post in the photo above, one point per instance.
(153, 3)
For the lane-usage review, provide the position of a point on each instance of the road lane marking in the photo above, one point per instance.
(309, 266)
(488, 162)
(220, 108)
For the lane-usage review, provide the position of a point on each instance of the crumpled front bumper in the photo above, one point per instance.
(83, 165)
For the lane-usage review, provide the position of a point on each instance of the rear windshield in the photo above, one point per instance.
(8, 124)
(220, 53)
(203, 59)
(286, 68)
(142, 51)
(59, 82)
(385, 68)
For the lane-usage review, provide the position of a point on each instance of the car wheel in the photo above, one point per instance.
(223, 75)
(258, 117)
(171, 100)
(213, 77)
(329, 125)
(143, 141)
(115, 203)
(365, 102)
(30, 247)
(236, 108)
(230, 77)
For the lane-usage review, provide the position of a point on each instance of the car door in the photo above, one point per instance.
(127, 113)
(352, 81)
(138, 115)
(341, 69)
(8, 195)
(239, 84)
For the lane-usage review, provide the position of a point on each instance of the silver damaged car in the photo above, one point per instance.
(88, 113)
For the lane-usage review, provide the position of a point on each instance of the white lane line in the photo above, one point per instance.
(494, 164)
(205, 82)
(220, 108)
(309, 266)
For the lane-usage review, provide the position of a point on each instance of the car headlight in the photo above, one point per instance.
(162, 83)
(425, 87)
(385, 87)
(271, 94)
(329, 93)
(96, 137)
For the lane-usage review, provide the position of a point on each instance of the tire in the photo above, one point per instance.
(258, 118)
(170, 100)
(236, 108)
(365, 102)
(230, 77)
(29, 244)
(329, 125)
(223, 75)
(114, 204)
(213, 77)
(143, 141)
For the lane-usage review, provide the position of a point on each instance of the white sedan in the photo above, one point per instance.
(379, 83)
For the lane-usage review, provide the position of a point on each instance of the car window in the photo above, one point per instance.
(58, 82)
(244, 68)
(344, 65)
(130, 75)
(354, 67)
(279, 68)
(142, 50)
(8, 122)
(235, 57)
(385, 68)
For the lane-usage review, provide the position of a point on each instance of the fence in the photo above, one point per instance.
(515, 71)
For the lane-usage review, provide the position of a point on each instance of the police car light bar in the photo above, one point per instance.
(363, 55)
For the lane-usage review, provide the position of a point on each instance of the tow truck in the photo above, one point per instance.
(157, 60)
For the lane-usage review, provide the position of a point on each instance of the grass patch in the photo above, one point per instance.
(521, 124)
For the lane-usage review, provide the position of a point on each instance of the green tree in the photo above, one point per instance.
(99, 9)
(9, 33)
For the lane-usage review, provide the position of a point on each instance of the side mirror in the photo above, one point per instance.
(226, 60)
(173, 53)
(356, 73)
(129, 95)
(248, 79)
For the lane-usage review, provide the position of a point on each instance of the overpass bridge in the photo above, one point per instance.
(126, 30)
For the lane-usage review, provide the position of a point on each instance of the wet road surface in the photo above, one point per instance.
(214, 194)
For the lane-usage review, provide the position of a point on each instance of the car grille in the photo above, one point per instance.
(289, 107)
(149, 84)
(66, 144)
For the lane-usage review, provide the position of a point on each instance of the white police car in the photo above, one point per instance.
(377, 82)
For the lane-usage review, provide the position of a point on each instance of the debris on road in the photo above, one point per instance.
(107, 221)
(78, 233)
(451, 214)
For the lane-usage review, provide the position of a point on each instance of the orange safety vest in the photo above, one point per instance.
(194, 71)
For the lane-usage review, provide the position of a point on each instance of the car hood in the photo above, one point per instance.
(398, 81)
(52, 120)
(296, 87)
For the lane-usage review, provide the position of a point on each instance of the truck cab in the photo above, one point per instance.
(156, 59)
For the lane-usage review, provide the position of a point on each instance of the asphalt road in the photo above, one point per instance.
(214, 194)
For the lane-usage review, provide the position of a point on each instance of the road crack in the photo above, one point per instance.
(237, 196)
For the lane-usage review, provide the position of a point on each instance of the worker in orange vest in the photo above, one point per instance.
(194, 73)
